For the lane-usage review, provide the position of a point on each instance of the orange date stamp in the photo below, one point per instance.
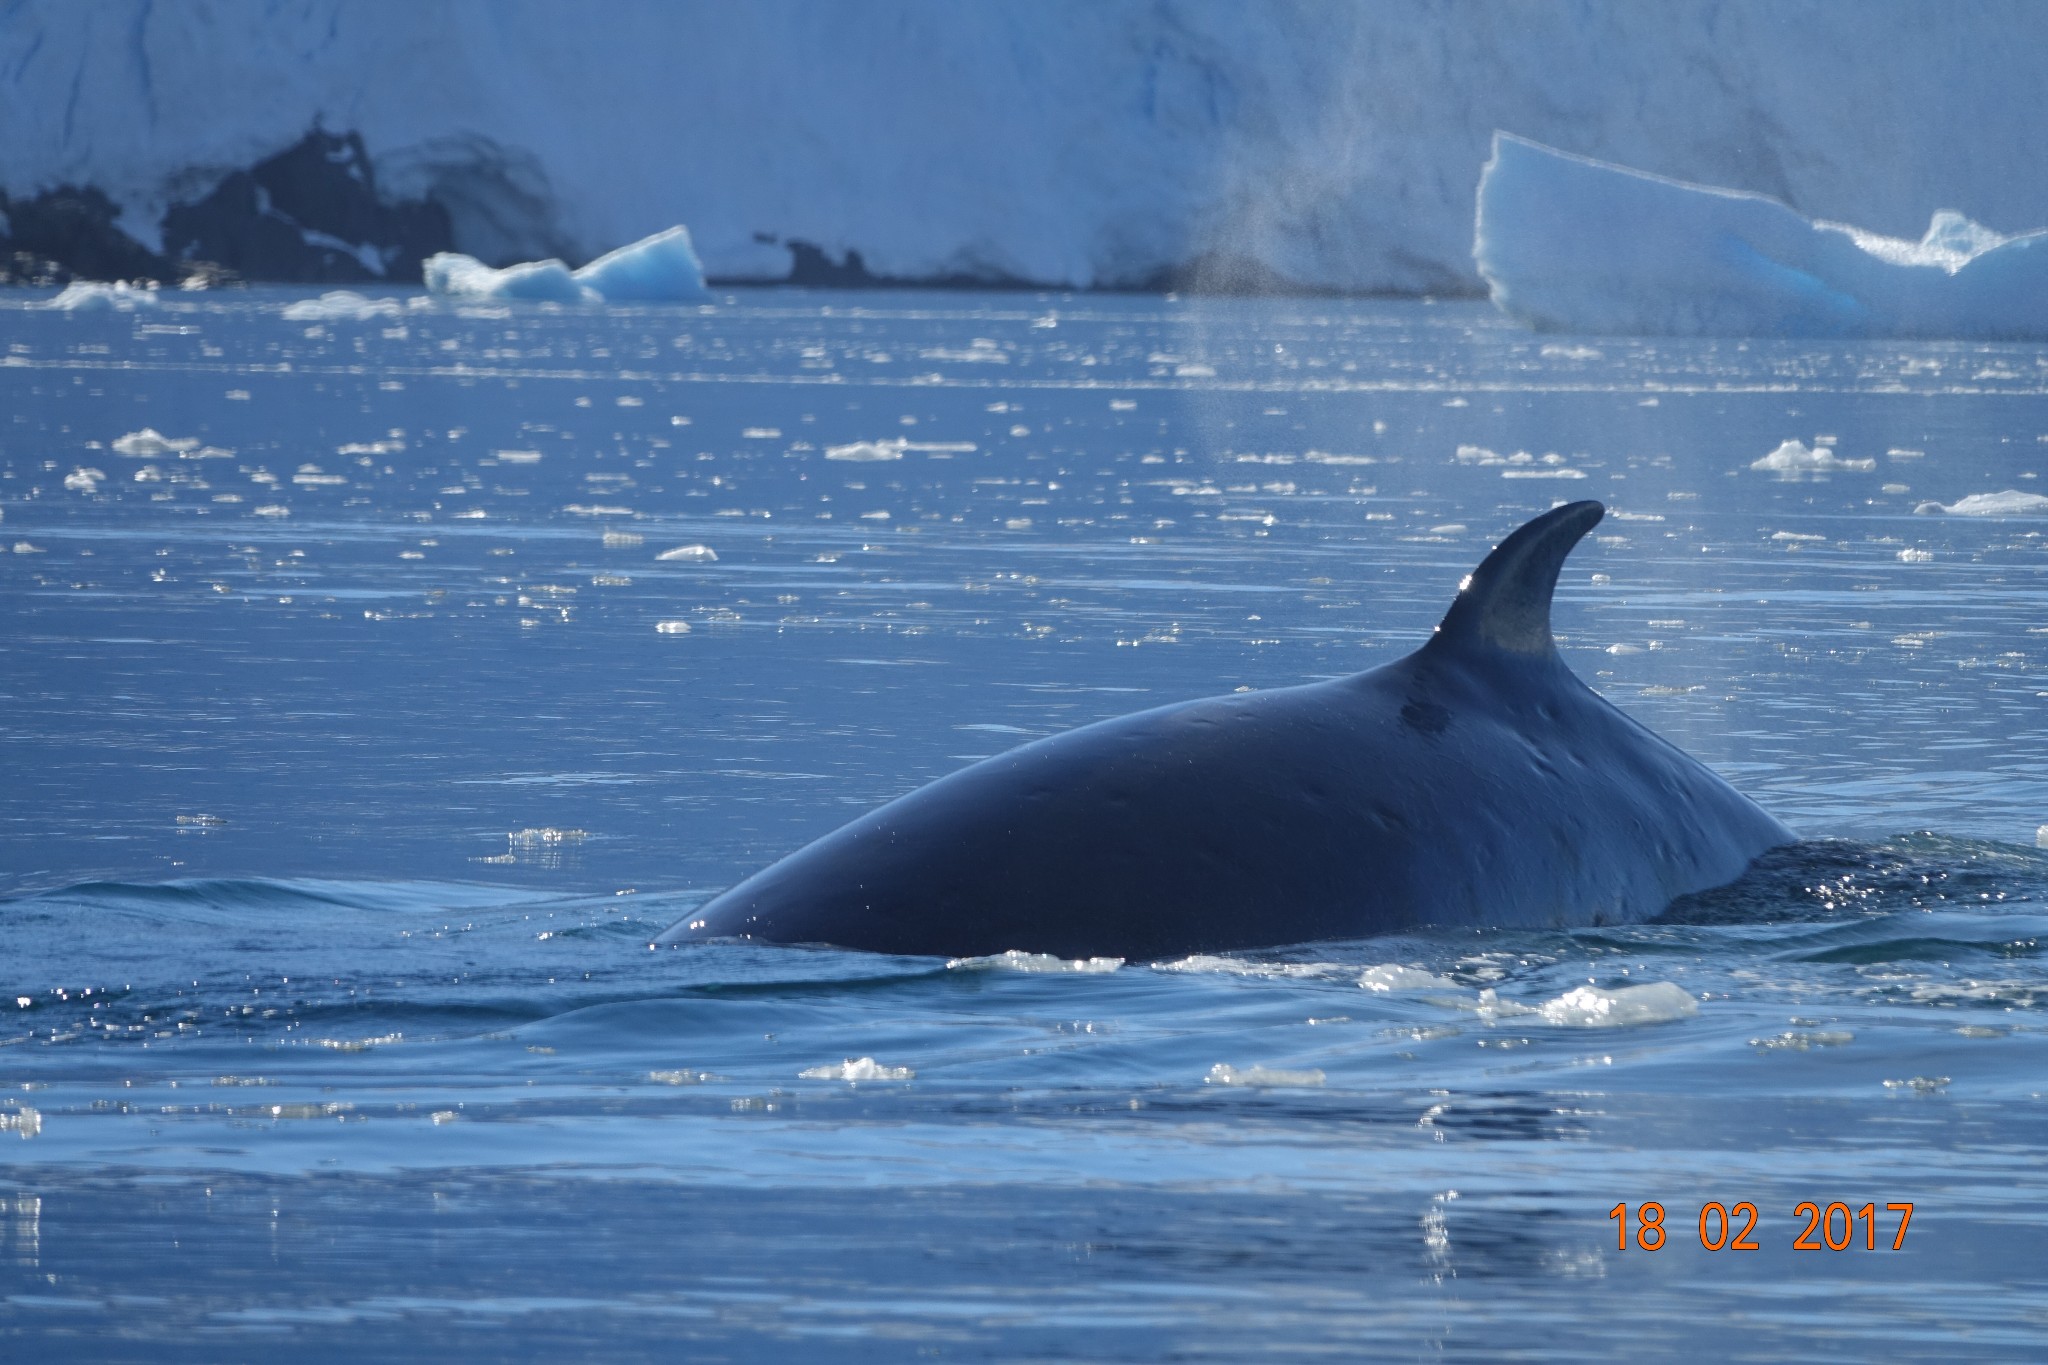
(1836, 1226)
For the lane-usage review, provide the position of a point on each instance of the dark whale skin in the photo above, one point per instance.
(1475, 782)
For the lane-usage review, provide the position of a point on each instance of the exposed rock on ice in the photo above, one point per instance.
(658, 269)
(2010, 503)
(1568, 243)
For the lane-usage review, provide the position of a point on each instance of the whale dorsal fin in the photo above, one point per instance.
(1504, 604)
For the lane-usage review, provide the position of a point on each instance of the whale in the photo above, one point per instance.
(1476, 782)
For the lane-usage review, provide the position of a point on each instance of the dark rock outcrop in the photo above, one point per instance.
(309, 215)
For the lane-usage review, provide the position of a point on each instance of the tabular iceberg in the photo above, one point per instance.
(660, 269)
(1567, 243)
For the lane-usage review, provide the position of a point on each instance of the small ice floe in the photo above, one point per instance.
(1241, 966)
(342, 305)
(2041, 837)
(688, 554)
(660, 269)
(1390, 977)
(1792, 460)
(1796, 537)
(671, 627)
(84, 480)
(1262, 1077)
(857, 1069)
(680, 1077)
(1016, 960)
(545, 838)
(24, 1121)
(867, 451)
(1920, 1085)
(1803, 1040)
(88, 297)
(1911, 556)
(149, 444)
(1658, 1002)
(2010, 503)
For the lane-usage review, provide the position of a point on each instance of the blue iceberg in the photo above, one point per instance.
(660, 269)
(1567, 243)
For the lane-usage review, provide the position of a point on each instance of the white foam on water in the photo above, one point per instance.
(1261, 1076)
(857, 1069)
(1016, 960)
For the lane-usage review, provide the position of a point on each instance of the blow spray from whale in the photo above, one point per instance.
(1475, 782)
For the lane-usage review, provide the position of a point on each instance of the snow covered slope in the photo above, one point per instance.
(1577, 245)
(1080, 142)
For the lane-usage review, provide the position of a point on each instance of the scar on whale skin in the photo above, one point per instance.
(1474, 782)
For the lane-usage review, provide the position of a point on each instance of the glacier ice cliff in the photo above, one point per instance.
(1567, 243)
(1173, 143)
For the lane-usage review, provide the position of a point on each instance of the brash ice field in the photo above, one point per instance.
(378, 678)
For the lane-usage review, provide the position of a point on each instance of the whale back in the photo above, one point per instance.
(1503, 606)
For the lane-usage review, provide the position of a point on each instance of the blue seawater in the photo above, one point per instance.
(377, 678)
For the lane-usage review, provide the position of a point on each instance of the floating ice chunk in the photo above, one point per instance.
(1262, 1076)
(1798, 1041)
(1567, 243)
(149, 443)
(671, 627)
(857, 1069)
(1016, 960)
(1793, 460)
(1912, 556)
(1240, 966)
(1920, 1085)
(1389, 977)
(84, 480)
(25, 1121)
(684, 1077)
(1658, 1002)
(87, 297)
(342, 305)
(2041, 837)
(867, 451)
(692, 554)
(2010, 503)
(660, 269)
(464, 277)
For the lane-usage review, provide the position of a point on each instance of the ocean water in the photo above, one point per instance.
(375, 683)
